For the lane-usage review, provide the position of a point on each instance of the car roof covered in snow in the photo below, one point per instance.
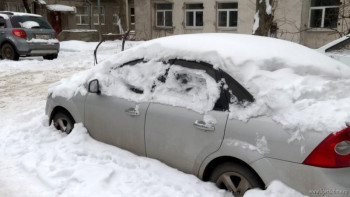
(8, 13)
(228, 51)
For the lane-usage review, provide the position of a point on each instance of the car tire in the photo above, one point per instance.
(63, 121)
(9, 52)
(236, 178)
(50, 57)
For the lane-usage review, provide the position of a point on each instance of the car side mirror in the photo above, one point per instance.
(94, 87)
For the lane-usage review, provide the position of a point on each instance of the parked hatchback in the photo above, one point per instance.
(237, 110)
(23, 34)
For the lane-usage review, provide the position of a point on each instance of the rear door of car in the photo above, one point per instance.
(175, 132)
(116, 120)
(35, 27)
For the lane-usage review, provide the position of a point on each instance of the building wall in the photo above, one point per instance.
(292, 18)
(68, 20)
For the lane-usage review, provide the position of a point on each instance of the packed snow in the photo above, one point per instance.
(47, 41)
(61, 8)
(37, 160)
(29, 24)
(4, 16)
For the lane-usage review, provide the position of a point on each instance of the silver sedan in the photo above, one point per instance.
(234, 154)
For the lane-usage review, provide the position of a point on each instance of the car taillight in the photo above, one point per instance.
(19, 33)
(333, 152)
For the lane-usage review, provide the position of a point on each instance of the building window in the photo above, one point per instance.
(227, 14)
(194, 15)
(82, 16)
(164, 15)
(96, 19)
(324, 13)
(132, 18)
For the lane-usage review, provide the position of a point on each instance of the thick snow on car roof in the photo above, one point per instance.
(9, 13)
(227, 51)
(295, 86)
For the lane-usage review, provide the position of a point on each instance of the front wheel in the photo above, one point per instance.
(63, 121)
(9, 52)
(236, 178)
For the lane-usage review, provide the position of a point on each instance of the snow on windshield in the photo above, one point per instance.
(29, 24)
(295, 86)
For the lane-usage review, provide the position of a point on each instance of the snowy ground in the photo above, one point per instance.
(36, 160)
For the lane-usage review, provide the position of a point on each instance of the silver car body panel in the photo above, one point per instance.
(171, 136)
(108, 120)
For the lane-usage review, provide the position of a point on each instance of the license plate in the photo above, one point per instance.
(42, 36)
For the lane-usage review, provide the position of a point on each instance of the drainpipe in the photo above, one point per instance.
(127, 14)
(90, 15)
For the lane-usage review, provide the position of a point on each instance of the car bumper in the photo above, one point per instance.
(37, 49)
(309, 180)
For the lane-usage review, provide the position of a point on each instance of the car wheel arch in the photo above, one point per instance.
(60, 109)
(209, 168)
(7, 41)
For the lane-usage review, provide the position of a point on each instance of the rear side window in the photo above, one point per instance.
(235, 92)
(342, 47)
(29, 22)
(2, 23)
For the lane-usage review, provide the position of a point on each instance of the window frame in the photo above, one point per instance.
(228, 15)
(103, 15)
(83, 15)
(164, 11)
(194, 16)
(222, 104)
(323, 8)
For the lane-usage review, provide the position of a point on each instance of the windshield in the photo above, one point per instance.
(30, 22)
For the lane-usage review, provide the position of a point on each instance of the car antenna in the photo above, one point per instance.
(102, 40)
(124, 38)
(95, 51)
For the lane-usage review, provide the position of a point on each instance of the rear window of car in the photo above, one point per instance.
(30, 22)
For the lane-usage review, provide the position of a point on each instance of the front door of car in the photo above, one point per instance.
(117, 115)
(186, 121)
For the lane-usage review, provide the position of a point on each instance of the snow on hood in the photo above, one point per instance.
(293, 85)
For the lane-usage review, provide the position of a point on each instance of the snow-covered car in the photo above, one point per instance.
(23, 34)
(237, 110)
(338, 49)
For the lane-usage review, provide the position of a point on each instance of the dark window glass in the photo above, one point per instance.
(168, 18)
(316, 18)
(2, 23)
(340, 47)
(199, 19)
(236, 89)
(233, 19)
(222, 18)
(164, 6)
(331, 17)
(227, 5)
(160, 18)
(194, 6)
(18, 20)
(189, 18)
(132, 11)
(315, 3)
(221, 104)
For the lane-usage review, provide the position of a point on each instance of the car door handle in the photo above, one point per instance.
(132, 111)
(200, 124)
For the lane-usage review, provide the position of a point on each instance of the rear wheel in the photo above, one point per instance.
(50, 57)
(236, 178)
(9, 52)
(63, 121)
